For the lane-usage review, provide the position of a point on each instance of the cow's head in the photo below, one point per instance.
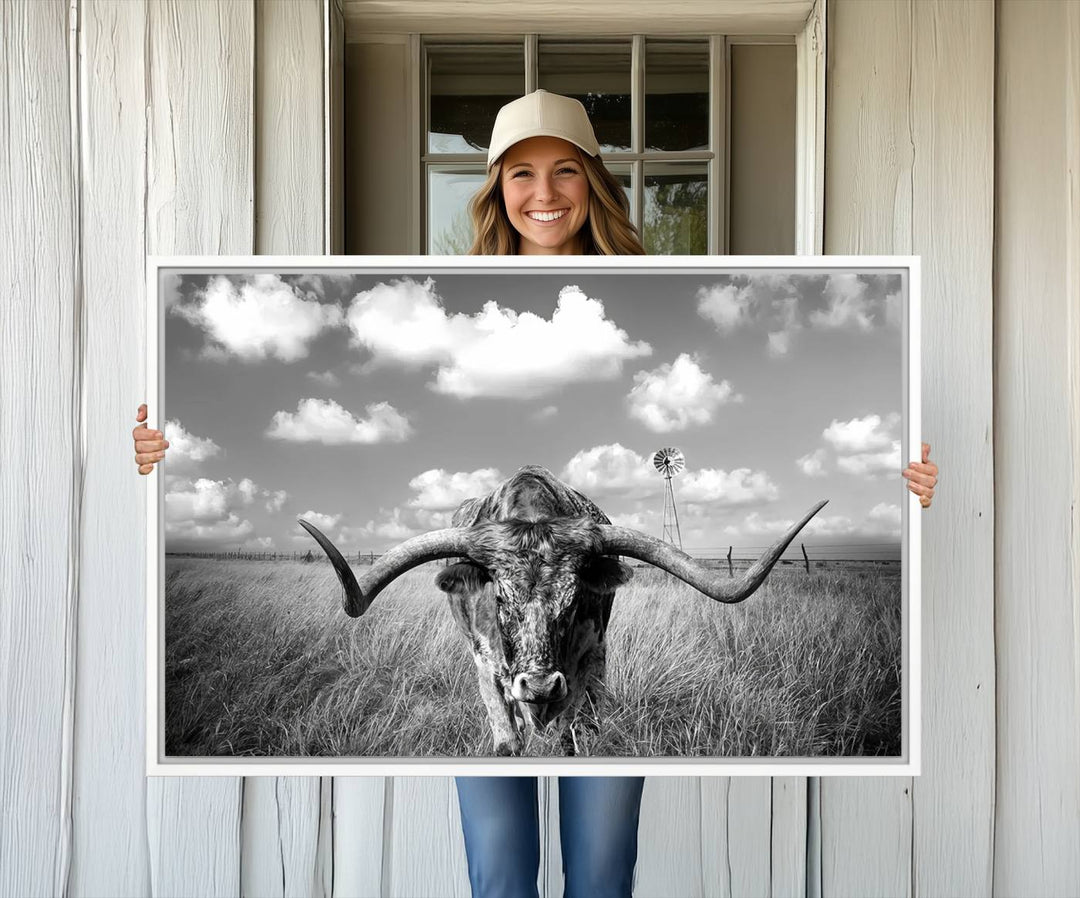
(539, 574)
(538, 566)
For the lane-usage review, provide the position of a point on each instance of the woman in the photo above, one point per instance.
(548, 193)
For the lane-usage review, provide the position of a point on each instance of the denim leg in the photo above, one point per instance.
(500, 819)
(598, 818)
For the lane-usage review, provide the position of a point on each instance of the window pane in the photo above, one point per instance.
(623, 175)
(466, 87)
(449, 191)
(676, 208)
(597, 74)
(676, 95)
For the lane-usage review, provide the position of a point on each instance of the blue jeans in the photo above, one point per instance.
(598, 821)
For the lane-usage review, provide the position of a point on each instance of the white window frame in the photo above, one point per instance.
(809, 42)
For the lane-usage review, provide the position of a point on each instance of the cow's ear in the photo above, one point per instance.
(603, 574)
(462, 577)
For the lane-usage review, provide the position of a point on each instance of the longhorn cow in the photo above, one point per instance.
(532, 592)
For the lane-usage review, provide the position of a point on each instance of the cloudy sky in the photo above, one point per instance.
(371, 405)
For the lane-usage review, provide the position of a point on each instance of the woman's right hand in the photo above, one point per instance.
(149, 444)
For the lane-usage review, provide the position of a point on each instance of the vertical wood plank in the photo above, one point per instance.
(674, 830)
(869, 156)
(361, 805)
(40, 446)
(281, 819)
(110, 852)
(199, 198)
(426, 847)
(1037, 607)
(952, 104)
(788, 835)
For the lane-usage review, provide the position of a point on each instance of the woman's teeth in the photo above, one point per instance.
(546, 216)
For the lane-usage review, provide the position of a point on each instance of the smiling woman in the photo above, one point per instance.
(547, 191)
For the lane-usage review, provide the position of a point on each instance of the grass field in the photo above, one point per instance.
(261, 660)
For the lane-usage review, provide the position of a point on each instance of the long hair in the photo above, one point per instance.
(607, 231)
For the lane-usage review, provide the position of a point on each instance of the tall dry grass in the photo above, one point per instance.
(260, 660)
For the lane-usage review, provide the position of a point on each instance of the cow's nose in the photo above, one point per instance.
(539, 687)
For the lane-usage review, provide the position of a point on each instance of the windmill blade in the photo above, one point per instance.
(669, 461)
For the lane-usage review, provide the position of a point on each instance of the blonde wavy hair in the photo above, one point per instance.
(607, 231)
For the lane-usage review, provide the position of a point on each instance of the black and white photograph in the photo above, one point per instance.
(559, 512)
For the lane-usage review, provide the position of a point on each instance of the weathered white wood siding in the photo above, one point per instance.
(41, 446)
(909, 149)
(953, 132)
(1037, 826)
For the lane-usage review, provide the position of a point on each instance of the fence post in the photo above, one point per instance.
(730, 569)
(807, 560)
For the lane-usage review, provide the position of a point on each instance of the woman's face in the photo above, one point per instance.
(546, 195)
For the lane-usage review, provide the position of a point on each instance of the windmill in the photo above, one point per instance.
(669, 462)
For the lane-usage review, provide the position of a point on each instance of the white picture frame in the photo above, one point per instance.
(907, 763)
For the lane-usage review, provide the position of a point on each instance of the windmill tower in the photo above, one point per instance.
(669, 462)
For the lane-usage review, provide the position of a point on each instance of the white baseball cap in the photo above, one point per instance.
(541, 114)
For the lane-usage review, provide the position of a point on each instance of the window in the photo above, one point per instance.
(659, 107)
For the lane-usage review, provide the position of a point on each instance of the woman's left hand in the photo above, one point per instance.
(922, 478)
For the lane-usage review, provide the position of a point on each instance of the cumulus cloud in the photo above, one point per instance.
(186, 452)
(677, 395)
(871, 464)
(439, 490)
(880, 522)
(258, 318)
(545, 413)
(324, 522)
(778, 304)
(275, 500)
(326, 378)
(203, 512)
(867, 446)
(861, 434)
(324, 421)
(727, 306)
(717, 487)
(497, 352)
(849, 304)
(813, 464)
(612, 470)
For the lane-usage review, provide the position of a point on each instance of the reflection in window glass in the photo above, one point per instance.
(597, 74)
(466, 86)
(449, 191)
(676, 95)
(622, 175)
(676, 208)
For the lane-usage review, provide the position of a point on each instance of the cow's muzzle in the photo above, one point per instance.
(538, 687)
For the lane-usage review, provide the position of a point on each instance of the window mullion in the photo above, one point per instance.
(637, 128)
(717, 186)
(532, 64)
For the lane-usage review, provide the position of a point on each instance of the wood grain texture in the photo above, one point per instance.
(425, 854)
(1037, 821)
(952, 83)
(362, 809)
(110, 854)
(282, 816)
(869, 155)
(788, 836)
(41, 446)
(199, 199)
(553, 17)
(673, 833)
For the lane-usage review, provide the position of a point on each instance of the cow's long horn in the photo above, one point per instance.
(431, 546)
(634, 544)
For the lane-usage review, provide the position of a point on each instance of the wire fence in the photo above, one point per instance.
(819, 555)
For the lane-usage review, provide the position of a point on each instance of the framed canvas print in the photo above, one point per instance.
(520, 515)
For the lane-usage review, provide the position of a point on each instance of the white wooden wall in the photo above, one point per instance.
(200, 127)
